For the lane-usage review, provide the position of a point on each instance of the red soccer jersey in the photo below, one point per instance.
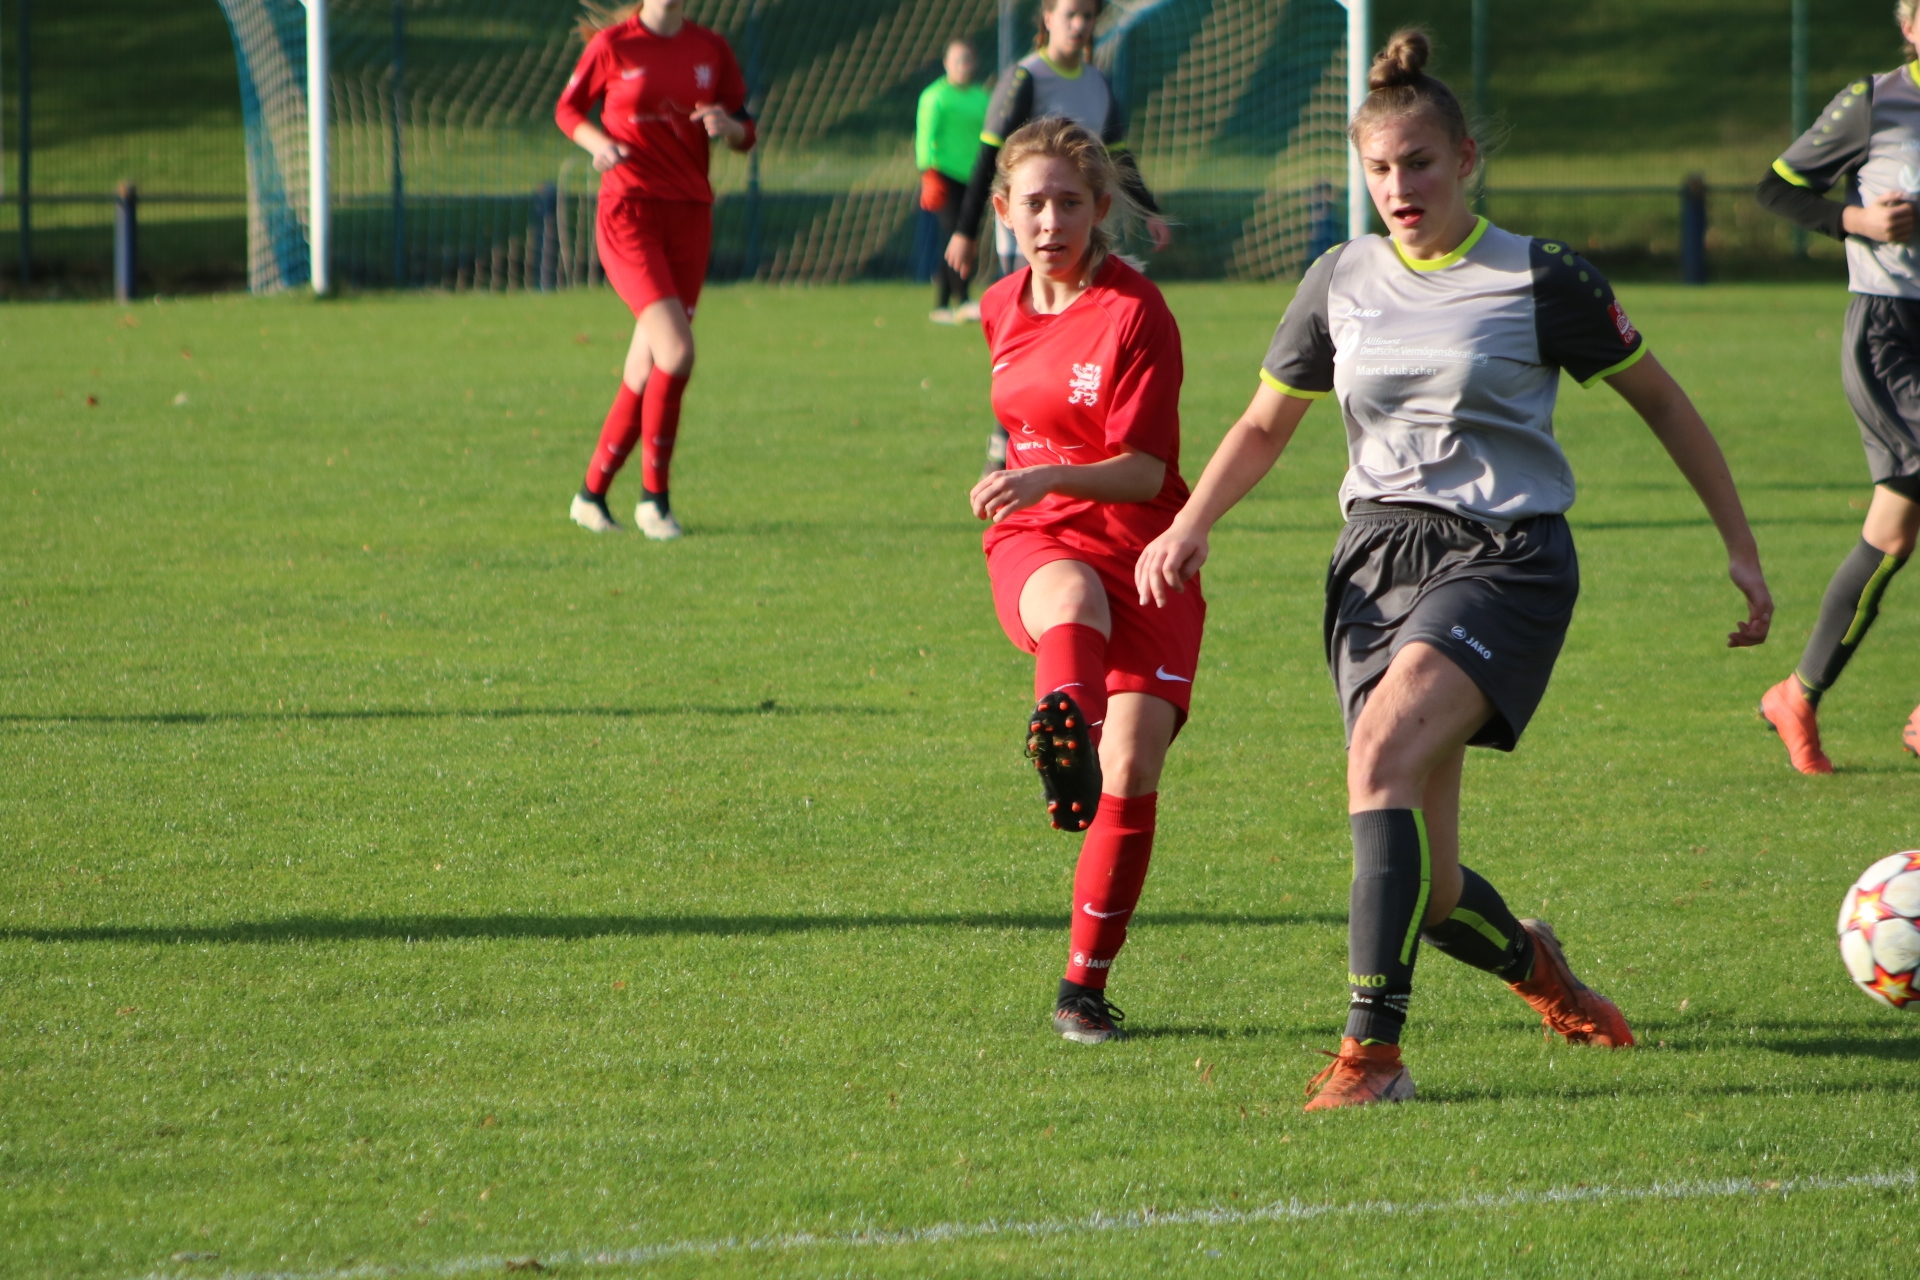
(1082, 386)
(647, 85)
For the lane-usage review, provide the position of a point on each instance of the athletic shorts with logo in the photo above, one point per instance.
(1152, 649)
(1880, 368)
(1498, 604)
(653, 249)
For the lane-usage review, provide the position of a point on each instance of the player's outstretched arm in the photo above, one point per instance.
(1657, 398)
(1249, 450)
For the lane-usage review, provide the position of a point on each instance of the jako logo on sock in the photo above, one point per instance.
(1366, 979)
(1080, 958)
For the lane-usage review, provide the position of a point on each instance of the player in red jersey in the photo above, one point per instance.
(665, 87)
(1086, 379)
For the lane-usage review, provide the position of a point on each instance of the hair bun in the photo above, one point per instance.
(1402, 61)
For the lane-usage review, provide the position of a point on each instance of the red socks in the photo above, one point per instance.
(616, 440)
(1074, 657)
(660, 423)
(1106, 886)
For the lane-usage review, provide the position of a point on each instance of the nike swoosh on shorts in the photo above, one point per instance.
(1161, 673)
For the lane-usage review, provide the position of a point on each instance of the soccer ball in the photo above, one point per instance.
(1880, 930)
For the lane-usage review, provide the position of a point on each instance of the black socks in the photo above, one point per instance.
(1852, 603)
(1483, 933)
(659, 500)
(1392, 874)
(1392, 881)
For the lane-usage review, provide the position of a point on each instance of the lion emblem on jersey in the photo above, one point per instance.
(1084, 387)
(703, 76)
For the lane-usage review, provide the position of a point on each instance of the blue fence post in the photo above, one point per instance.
(1693, 230)
(126, 252)
(546, 205)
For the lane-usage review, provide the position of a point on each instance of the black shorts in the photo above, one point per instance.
(1498, 604)
(1880, 368)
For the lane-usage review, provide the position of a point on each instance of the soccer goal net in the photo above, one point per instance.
(447, 170)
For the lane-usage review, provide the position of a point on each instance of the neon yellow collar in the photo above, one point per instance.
(1913, 71)
(1480, 226)
(1061, 71)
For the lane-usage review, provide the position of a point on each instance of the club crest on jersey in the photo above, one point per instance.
(1620, 322)
(1084, 387)
(631, 73)
(703, 76)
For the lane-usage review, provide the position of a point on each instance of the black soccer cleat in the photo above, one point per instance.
(1061, 748)
(1087, 1018)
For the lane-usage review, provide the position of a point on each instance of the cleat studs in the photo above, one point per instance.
(1069, 722)
(1072, 745)
(1076, 806)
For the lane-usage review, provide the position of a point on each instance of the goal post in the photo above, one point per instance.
(319, 113)
(1359, 56)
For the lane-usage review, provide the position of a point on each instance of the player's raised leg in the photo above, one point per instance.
(1063, 607)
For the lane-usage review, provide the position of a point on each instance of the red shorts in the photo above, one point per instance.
(1152, 649)
(654, 249)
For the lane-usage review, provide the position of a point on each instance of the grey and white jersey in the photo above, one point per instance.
(1447, 371)
(1869, 137)
(1034, 88)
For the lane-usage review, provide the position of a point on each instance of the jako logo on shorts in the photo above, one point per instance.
(1460, 633)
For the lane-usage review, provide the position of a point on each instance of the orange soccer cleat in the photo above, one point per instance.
(1910, 735)
(1786, 708)
(1359, 1075)
(1564, 1003)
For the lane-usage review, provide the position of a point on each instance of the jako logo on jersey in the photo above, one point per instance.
(703, 76)
(1363, 312)
(1460, 633)
(631, 73)
(1620, 322)
(1085, 385)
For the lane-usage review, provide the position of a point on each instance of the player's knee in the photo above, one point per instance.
(1376, 763)
(1126, 770)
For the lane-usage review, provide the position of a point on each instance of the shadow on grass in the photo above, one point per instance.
(449, 928)
(1903, 1049)
(770, 707)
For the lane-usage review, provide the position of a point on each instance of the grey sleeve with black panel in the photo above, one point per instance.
(1114, 134)
(1299, 361)
(1820, 159)
(1010, 107)
(1579, 324)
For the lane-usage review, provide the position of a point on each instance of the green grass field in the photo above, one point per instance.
(402, 882)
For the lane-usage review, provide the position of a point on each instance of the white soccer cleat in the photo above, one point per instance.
(592, 516)
(967, 311)
(655, 523)
(943, 315)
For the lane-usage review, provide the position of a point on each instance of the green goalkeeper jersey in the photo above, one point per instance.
(946, 133)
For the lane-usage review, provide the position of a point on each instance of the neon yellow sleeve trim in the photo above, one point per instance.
(1295, 392)
(1785, 170)
(1622, 367)
(993, 139)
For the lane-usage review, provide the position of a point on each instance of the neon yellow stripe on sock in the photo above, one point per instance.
(1869, 606)
(1426, 888)
(1476, 922)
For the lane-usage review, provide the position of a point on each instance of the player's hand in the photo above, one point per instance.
(1168, 564)
(1160, 232)
(1889, 218)
(719, 124)
(960, 255)
(1001, 493)
(1746, 575)
(933, 192)
(608, 156)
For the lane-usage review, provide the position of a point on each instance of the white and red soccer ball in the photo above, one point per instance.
(1880, 930)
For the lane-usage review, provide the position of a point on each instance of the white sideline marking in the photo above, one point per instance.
(1279, 1211)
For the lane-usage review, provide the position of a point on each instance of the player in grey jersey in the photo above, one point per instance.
(1868, 138)
(1454, 580)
